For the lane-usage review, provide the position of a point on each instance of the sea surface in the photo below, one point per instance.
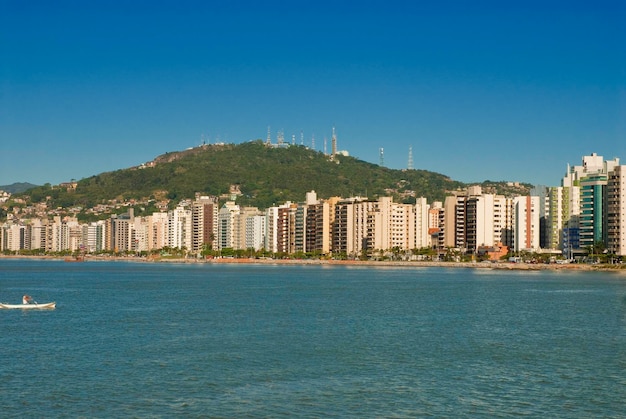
(255, 341)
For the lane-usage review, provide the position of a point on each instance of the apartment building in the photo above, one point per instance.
(227, 228)
(616, 211)
(421, 219)
(592, 223)
(526, 225)
(204, 219)
(255, 232)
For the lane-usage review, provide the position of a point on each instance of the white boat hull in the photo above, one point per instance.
(45, 306)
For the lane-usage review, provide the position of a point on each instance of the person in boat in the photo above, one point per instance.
(27, 299)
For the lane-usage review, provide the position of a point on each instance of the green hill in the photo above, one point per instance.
(265, 176)
(17, 187)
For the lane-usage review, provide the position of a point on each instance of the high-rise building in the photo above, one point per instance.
(158, 227)
(204, 218)
(616, 211)
(592, 224)
(526, 231)
(255, 232)
(179, 227)
(349, 226)
(227, 228)
(286, 228)
(421, 224)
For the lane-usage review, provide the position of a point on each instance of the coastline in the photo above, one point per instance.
(404, 264)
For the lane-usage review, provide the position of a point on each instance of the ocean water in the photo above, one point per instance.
(246, 341)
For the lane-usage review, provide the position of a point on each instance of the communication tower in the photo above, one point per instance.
(334, 143)
(269, 136)
(410, 165)
(381, 157)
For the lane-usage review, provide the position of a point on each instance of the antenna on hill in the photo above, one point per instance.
(381, 157)
(268, 141)
(325, 141)
(301, 137)
(293, 139)
(334, 143)
(313, 141)
(410, 165)
(281, 137)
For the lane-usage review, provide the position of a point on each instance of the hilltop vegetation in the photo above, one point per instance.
(264, 175)
(17, 187)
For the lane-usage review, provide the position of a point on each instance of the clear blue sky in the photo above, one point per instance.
(479, 90)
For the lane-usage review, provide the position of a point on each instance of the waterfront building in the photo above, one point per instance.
(13, 236)
(121, 231)
(544, 211)
(66, 234)
(242, 235)
(453, 223)
(272, 227)
(140, 235)
(616, 211)
(559, 215)
(93, 237)
(479, 222)
(300, 226)
(577, 206)
(349, 226)
(503, 221)
(179, 227)
(204, 219)
(422, 219)
(435, 220)
(526, 231)
(286, 228)
(255, 232)
(592, 224)
(472, 219)
(227, 225)
(271, 218)
(320, 216)
(38, 234)
(376, 220)
(75, 236)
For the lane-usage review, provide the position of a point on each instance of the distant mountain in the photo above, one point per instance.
(264, 175)
(17, 187)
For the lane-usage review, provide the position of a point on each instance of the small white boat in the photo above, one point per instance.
(33, 306)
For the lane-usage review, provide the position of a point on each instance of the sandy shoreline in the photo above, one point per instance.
(417, 264)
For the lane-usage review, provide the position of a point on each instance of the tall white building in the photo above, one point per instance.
(179, 227)
(13, 236)
(422, 220)
(93, 237)
(255, 232)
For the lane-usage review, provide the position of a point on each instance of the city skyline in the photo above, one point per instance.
(586, 212)
(492, 91)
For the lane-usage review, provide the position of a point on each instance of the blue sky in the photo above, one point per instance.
(479, 90)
